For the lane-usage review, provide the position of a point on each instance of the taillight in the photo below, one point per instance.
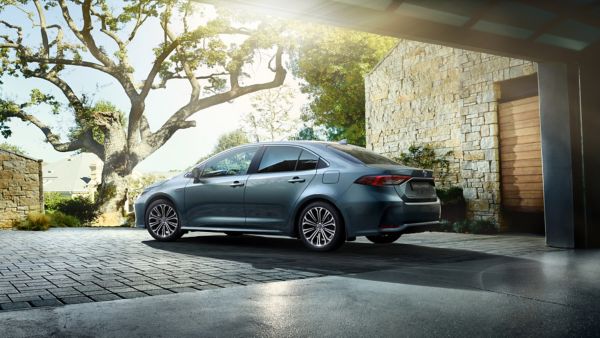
(382, 180)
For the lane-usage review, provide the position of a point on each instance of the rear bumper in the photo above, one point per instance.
(368, 211)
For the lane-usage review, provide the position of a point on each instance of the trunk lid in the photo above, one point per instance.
(420, 188)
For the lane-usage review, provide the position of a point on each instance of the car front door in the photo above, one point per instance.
(216, 197)
(281, 177)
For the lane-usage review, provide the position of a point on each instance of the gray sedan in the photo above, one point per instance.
(321, 192)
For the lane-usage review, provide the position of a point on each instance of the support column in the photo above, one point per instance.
(589, 81)
(570, 133)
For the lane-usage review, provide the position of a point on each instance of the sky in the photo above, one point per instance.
(182, 150)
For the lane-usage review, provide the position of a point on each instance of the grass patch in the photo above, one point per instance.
(59, 219)
(37, 221)
(34, 221)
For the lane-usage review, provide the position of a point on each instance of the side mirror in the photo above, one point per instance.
(196, 172)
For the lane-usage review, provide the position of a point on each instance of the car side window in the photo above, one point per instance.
(230, 164)
(307, 161)
(278, 159)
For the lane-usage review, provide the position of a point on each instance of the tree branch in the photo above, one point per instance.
(68, 62)
(178, 120)
(85, 140)
(85, 36)
(42, 18)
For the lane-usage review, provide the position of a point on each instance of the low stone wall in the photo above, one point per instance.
(430, 94)
(21, 188)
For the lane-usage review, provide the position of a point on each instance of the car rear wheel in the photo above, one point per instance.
(320, 227)
(162, 221)
(384, 239)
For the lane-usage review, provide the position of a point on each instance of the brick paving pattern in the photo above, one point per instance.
(70, 266)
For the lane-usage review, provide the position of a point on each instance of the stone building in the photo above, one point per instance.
(482, 107)
(21, 189)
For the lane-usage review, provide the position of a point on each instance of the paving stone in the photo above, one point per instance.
(14, 306)
(46, 302)
(76, 300)
(105, 297)
(132, 294)
(158, 292)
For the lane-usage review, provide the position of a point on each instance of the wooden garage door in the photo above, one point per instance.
(520, 155)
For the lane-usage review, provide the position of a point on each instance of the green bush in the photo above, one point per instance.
(53, 199)
(34, 221)
(80, 207)
(59, 219)
(424, 156)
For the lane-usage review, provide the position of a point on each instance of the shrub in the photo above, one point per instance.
(34, 221)
(59, 219)
(53, 199)
(80, 207)
(425, 157)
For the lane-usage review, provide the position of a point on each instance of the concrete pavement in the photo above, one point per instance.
(479, 298)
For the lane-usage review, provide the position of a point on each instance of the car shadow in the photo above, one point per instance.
(395, 263)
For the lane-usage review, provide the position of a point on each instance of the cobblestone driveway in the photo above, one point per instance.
(67, 266)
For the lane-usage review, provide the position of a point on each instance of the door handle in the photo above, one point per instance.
(236, 184)
(296, 179)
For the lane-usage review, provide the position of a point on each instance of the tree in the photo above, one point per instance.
(333, 63)
(210, 53)
(12, 148)
(228, 140)
(270, 120)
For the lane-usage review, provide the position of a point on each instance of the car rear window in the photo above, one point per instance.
(360, 155)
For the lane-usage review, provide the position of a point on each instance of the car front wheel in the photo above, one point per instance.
(162, 221)
(320, 227)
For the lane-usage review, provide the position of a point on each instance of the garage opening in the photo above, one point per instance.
(522, 206)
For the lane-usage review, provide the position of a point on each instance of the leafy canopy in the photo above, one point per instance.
(333, 62)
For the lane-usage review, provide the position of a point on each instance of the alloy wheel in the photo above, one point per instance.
(163, 220)
(318, 226)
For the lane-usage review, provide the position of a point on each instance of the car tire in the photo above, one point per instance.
(385, 238)
(320, 227)
(163, 221)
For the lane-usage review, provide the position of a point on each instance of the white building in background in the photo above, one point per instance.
(77, 175)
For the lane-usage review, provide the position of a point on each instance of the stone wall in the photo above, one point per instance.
(20, 187)
(429, 94)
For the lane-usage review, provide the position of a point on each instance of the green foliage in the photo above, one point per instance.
(333, 63)
(34, 221)
(475, 227)
(424, 156)
(53, 199)
(80, 207)
(306, 134)
(59, 219)
(12, 148)
(228, 140)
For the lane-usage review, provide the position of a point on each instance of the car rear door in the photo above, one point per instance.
(283, 174)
